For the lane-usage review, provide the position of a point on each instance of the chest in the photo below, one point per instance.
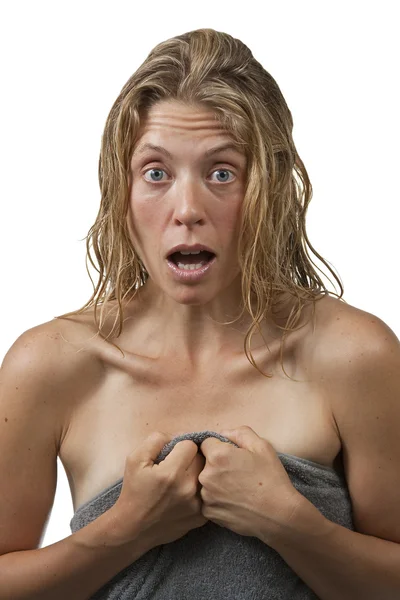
(133, 400)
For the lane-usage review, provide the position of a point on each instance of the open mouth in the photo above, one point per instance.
(191, 262)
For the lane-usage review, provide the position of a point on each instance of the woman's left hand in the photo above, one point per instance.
(246, 489)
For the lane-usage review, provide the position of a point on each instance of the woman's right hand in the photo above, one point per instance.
(160, 502)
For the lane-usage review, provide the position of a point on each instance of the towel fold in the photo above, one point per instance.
(212, 561)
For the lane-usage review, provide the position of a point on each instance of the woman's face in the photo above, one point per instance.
(186, 195)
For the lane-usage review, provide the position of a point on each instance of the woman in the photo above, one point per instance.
(215, 334)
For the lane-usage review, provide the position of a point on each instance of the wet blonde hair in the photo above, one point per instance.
(213, 70)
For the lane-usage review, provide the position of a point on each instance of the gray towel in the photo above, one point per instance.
(213, 562)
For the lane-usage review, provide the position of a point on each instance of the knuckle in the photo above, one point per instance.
(190, 490)
(168, 476)
(202, 478)
(220, 455)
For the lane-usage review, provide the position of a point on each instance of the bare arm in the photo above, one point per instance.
(363, 379)
(36, 379)
(337, 563)
(75, 567)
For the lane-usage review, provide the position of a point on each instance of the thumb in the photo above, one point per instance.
(232, 435)
(244, 437)
(149, 449)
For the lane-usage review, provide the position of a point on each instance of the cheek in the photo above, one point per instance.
(142, 218)
(144, 224)
(228, 224)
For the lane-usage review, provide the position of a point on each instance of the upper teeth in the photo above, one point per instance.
(185, 252)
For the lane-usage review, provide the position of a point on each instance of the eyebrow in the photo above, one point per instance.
(147, 146)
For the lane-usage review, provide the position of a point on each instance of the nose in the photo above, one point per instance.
(188, 205)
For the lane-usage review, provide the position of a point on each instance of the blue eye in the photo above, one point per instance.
(158, 174)
(223, 171)
(156, 170)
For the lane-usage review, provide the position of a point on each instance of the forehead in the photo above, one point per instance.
(171, 118)
(181, 114)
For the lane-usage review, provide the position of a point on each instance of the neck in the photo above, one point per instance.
(195, 334)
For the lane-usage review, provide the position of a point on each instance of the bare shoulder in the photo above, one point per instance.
(359, 365)
(62, 353)
(348, 341)
(66, 342)
(346, 331)
(41, 374)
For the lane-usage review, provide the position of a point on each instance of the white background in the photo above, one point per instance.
(63, 65)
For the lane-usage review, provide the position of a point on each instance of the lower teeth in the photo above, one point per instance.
(190, 267)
